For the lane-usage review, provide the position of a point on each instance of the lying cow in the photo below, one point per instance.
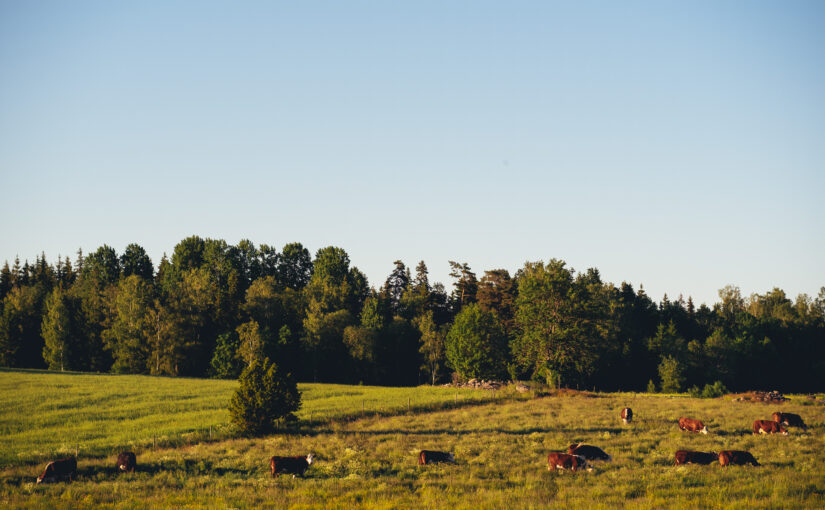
(691, 457)
(692, 425)
(57, 470)
(588, 452)
(431, 457)
(561, 460)
(290, 465)
(769, 427)
(736, 457)
(790, 420)
(126, 462)
(627, 415)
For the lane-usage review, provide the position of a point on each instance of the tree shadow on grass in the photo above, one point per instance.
(436, 431)
(188, 466)
(306, 427)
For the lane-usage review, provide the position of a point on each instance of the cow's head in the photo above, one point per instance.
(451, 456)
(44, 476)
(704, 430)
(783, 430)
(310, 457)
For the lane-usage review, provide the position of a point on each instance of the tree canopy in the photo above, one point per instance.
(213, 308)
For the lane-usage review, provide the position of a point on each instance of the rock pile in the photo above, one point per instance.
(479, 384)
(761, 396)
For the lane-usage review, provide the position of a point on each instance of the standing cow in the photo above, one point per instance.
(126, 462)
(588, 452)
(561, 460)
(431, 457)
(692, 425)
(627, 415)
(736, 457)
(290, 465)
(56, 470)
(769, 427)
(790, 420)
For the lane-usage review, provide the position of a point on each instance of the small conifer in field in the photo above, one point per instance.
(266, 396)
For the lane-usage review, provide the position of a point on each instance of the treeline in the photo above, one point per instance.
(213, 308)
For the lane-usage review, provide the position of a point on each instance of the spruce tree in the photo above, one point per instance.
(57, 332)
(266, 396)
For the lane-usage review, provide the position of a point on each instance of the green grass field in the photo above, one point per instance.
(369, 460)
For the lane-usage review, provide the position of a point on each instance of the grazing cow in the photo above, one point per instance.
(690, 457)
(56, 470)
(290, 465)
(734, 457)
(769, 427)
(561, 460)
(627, 415)
(588, 452)
(692, 425)
(790, 420)
(126, 462)
(431, 457)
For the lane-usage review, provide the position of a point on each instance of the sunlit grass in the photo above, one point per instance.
(501, 449)
(47, 414)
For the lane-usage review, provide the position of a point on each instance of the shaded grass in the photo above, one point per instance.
(501, 449)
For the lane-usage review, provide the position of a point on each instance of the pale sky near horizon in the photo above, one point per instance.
(678, 145)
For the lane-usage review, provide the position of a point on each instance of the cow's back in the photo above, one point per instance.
(288, 465)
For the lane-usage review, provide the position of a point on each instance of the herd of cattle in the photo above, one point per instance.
(577, 457)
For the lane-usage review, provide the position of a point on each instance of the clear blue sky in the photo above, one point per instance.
(679, 145)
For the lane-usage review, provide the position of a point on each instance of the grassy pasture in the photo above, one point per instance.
(46, 414)
(501, 448)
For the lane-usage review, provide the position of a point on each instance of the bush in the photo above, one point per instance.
(266, 397)
(651, 386)
(670, 372)
(717, 389)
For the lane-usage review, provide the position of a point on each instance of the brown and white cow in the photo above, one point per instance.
(736, 457)
(692, 425)
(126, 462)
(588, 452)
(769, 427)
(627, 415)
(691, 457)
(290, 465)
(56, 470)
(431, 457)
(789, 419)
(561, 460)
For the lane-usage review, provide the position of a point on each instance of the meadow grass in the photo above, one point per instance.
(47, 414)
(501, 447)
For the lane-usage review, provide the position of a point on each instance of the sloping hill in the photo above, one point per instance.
(501, 448)
(47, 414)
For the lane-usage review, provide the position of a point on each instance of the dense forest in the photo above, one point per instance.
(213, 308)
